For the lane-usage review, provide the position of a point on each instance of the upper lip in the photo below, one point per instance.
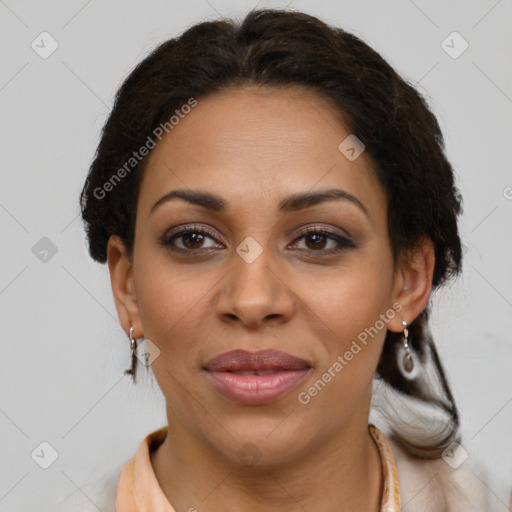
(242, 360)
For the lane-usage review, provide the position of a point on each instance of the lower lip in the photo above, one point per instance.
(257, 389)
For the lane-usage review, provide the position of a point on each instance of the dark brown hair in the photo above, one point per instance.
(397, 127)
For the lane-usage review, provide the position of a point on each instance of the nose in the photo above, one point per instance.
(256, 293)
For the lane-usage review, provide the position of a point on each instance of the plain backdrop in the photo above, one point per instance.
(63, 351)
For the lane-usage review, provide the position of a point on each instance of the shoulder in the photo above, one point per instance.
(99, 494)
(443, 484)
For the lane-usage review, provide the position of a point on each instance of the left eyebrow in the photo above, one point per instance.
(292, 203)
(304, 200)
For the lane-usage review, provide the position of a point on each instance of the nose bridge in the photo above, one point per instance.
(252, 274)
(254, 290)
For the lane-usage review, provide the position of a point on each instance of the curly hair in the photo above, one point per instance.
(288, 48)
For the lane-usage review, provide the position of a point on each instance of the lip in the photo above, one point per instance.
(256, 377)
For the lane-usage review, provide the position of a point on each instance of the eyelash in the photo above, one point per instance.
(342, 241)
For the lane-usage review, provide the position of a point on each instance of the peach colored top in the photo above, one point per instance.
(138, 489)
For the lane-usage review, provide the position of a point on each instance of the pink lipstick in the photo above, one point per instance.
(256, 377)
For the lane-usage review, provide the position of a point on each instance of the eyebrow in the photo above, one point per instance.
(292, 203)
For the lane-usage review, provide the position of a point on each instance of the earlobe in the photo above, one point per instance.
(413, 282)
(122, 282)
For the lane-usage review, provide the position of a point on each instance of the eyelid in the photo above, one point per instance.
(343, 241)
(315, 228)
(183, 229)
(324, 229)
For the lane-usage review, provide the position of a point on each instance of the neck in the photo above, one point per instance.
(340, 474)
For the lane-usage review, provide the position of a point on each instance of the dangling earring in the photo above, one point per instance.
(133, 347)
(407, 361)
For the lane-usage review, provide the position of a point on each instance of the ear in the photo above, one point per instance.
(123, 287)
(413, 282)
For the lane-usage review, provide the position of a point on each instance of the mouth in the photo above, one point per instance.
(258, 377)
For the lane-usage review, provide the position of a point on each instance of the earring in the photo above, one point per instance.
(407, 361)
(131, 370)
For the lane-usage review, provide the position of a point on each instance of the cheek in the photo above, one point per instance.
(168, 307)
(341, 384)
(352, 298)
(167, 297)
(354, 308)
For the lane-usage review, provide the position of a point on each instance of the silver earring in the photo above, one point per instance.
(133, 347)
(407, 357)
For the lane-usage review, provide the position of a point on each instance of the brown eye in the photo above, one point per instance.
(316, 241)
(323, 241)
(192, 240)
(189, 239)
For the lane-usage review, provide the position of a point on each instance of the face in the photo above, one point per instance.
(259, 267)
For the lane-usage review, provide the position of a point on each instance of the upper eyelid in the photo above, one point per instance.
(182, 230)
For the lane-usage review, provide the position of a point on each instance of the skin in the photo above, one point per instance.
(253, 147)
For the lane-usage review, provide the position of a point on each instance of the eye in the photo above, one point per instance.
(191, 238)
(317, 239)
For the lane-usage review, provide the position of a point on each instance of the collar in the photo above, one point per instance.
(138, 489)
(391, 487)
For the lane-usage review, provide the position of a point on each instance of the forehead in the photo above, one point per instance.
(259, 143)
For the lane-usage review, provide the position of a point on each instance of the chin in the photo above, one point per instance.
(261, 442)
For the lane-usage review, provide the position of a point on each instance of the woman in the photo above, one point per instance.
(276, 208)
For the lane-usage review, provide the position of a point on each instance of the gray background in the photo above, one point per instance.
(63, 351)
